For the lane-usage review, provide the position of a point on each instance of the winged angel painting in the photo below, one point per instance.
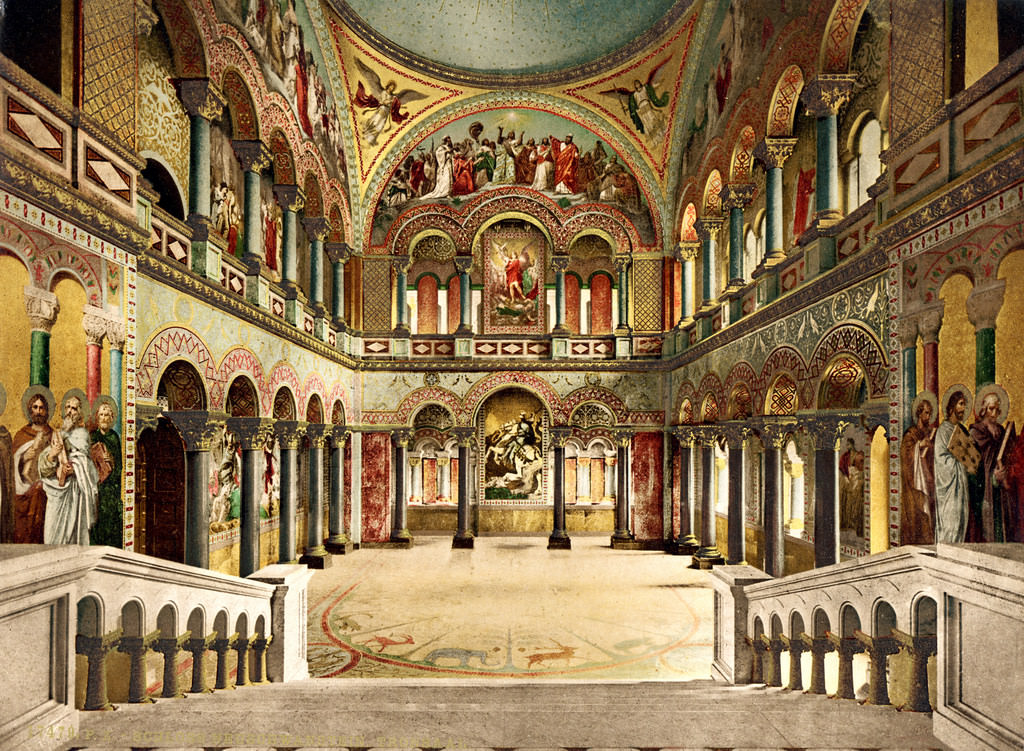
(643, 102)
(382, 106)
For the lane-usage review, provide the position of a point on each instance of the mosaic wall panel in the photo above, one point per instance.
(163, 122)
(647, 294)
(376, 294)
(109, 58)
(918, 62)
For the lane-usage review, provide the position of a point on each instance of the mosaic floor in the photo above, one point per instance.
(510, 608)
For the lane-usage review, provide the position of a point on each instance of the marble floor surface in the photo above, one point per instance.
(510, 608)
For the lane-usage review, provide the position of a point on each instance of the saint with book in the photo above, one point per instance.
(953, 457)
(986, 519)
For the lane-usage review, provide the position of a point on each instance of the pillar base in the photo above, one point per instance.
(318, 559)
(707, 558)
(339, 546)
(401, 539)
(684, 546)
(559, 542)
(463, 542)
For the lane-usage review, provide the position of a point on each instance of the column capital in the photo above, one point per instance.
(908, 333)
(464, 264)
(197, 428)
(877, 645)
(172, 644)
(254, 156)
(622, 262)
(736, 435)
(559, 435)
(920, 645)
(42, 308)
(339, 434)
(465, 436)
(443, 460)
(115, 333)
(97, 646)
(825, 94)
(825, 432)
(817, 645)
(776, 434)
(984, 304)
(623, 438)
(560, 263)
(737, 195)
(291, 197)
(707, 226)
(200, 643)
(687, 251)
(289, 433)
(317, 227)
(402, 437)
(845, 646)
(338, 252)
(201, 97)
(253, 432)
(401, 264)
(145, 18)
(929, 321)
(773, 152)
(318, 434)
(94, 321)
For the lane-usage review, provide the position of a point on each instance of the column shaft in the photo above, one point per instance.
(737, 506)
(249, 554)
(92, 370)
(735, 245)
(708, 270)
(39, 359)
(289, 504)
(909, 362)
(826, 517)
(316, 272)
(622, 532)
(400, 294)
(774, 546)
(985, 357)
(315, 520)
(197, 514)
(251, 220)
(399, 526)
(465, 304)
(688, 302)
(827, 182)
(289, 265)
(559, 537)
(336, 503)
(463, 535)
(773, 216)
(338, 296)
(199, 166)
(116, 364)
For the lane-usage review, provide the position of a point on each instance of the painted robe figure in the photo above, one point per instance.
(985, 515)
(950, 476)
(567, 164)
(917, 476)
(70, 480)
(30, 498)
(105, 450)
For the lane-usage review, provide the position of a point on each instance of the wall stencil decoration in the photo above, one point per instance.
(513, 469)
(514, 287)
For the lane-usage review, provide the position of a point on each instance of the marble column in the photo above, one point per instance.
(622, 264)
(774, 541)
(686, 254)
(170, 648)
(338, 254)
(583, 479)
(203, 102)
(115, 338)
(878, 648)
(908, 361)
(401, 264)
(317, 230)
(824, 96)
(920, 648)
(818, 647)
(253, 435)
(774, 648)
(221, 646)
(560, 264)
(42, 308)
(292, 200)
(735, 198)
(773, 153)
(197, 646)
(826, 498)
(687, 542)
(983, 305)
(316, 555)
(737, 529)
(416, 479)
(444, 479)
(464, 264)
(258, 645)
(400, 535)
(795, 647)
(559, 538)
(198, 430)
(95, 324)
(798, 501)
(289, 435)
(136, 648)
(241, 647)
(929, 321)
(464, 535)
(254, 157)
(622, 535)
(708, 555)
(610, 463)
(95, 650)
(846, 649)
(338, 541)
(708, 229)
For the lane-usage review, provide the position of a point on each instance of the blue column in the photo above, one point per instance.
(737, 543)
(708, 230)
(463, 264)
(116, 373)
(908, 357)
(315, 555)
(317, 229)
(735, 198)
(254, 157)
(291, 200)
(289, 437)
(203, 102)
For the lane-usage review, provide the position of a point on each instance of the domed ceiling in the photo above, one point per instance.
(492, 42)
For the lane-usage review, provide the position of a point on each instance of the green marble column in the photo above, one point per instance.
(317, 229)
(203, 102)
(292, 199)
(622, 264)
(338, 253)
(254, 157)
(735, 198)
(773, 153)
(708, 228)
(983, 306)
(42, 308)
(464, 264)
(401, 264)
(560, 264)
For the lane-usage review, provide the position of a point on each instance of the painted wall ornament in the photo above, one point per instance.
(382, 105)
(644, 103)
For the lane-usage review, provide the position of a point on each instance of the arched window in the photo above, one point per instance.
(865, 167)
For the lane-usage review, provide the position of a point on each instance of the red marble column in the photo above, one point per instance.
(572, 303)
(92, 370)
(426, 305)
(453, 483)
(646, 467)
(377, 488)
(600, 304)
(453, 303)
(430, 480)
(570, 481)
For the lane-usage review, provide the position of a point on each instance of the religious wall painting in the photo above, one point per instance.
(513, 469)
(513, 148)
(514, 299)
(853, 450)
(281, 34)
(917, 472)
(226, 193)
(225, 483)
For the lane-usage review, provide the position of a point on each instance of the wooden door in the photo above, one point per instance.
(163, 474)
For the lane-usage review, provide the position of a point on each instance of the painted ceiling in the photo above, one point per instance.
(508, 38)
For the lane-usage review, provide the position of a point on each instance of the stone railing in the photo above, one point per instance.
(59, 603)
(888, 621)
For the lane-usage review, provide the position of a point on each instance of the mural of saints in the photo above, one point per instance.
(513, 447)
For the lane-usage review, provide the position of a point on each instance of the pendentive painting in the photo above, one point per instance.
(513, 468)
(514, 279)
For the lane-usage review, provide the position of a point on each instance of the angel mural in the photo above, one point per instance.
(383, 105)
(644, 103)
(517, 302)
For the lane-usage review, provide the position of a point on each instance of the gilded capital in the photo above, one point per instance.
(254, 156)
(401, 264)
(465, 436)
(289, 433)
(773, 152)
(95, 324)
(707, 227)
(560, 263)
(825, 94)
(338, 252)
(622, 263)
(290, 197)
(402, 437)
(42, 308)
(198, 429)
(317, 227)
(201, 98)
(254, 433)
(318, 435)
(737, 195)
(624, 438)
(687, 251)
(463, 264)
(559, 435)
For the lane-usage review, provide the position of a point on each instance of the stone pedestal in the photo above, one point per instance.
(286, 653)
(732, 661)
